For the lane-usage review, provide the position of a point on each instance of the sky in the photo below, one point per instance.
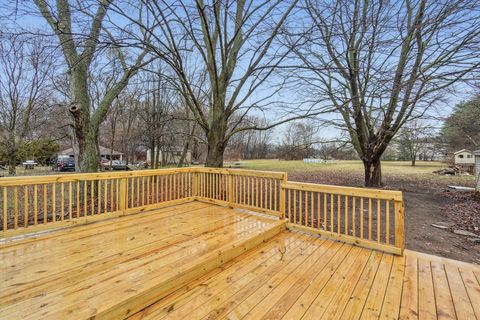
(289, 96)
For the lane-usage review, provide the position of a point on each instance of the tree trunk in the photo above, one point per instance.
(86, 136)
(186, 146)
(88, 153)
(12, 156)
(216, 141)
(414, 161)
(216, 148)
(153, 162)
(373, 172)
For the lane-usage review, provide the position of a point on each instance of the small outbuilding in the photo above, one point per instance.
(464, 157)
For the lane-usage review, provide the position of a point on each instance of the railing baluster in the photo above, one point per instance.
(25, 206)
(70, 196)
(346, 215)
(54, 203)
(99, 196)
(331, 212)
(362, 213)
(35, 205)
(379, 220)
(5, 208)
(370, 219)
(15, 207)
(62, 201)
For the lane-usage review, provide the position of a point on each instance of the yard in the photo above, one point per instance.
(428, 200)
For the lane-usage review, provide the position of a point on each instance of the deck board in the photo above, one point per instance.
(202, 261)
(323, 279)
(95, 271)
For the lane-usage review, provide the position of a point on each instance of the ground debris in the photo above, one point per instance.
(443, 225)
(464, 211)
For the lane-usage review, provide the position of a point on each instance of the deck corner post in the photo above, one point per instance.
(283, 192)
(399, 225)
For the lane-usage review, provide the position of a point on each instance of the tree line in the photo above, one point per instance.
(194, 72)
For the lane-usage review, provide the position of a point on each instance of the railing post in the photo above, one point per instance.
(399, 225)
(230, 190)
(195, 184)
(283, 198)
(123, 195)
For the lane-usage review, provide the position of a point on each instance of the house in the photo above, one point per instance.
(169, 156)
(105, 153)
(464, 157)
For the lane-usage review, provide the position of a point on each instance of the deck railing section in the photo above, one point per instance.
(367, 217)
(43, 202)
(248, 189)
(373, 218)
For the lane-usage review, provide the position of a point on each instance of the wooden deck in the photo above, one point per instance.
(300, 276)
(113, 268)
(202, 261)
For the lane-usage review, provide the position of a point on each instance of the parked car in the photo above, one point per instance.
(63, 164)
(115, 165)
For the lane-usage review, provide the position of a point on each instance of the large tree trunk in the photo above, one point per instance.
(216, 148)
(88, 153)
(373, 172)
(216, 141)
(85, 136)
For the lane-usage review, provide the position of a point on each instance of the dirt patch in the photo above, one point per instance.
(427, 201)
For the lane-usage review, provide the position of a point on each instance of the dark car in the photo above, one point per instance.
(63, 164)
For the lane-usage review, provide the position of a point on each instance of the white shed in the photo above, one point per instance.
(464, 157)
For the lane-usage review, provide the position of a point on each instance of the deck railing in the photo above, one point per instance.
(247, 189)
(366, 217)
(34, 203)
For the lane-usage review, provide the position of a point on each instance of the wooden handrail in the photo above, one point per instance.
(349, 191)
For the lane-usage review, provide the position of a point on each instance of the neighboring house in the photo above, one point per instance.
(464, 157)
(105, 153)
(170, 156)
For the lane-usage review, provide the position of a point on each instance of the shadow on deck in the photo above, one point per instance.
(203, 261)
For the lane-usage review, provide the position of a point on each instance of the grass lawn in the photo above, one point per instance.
(391, 170)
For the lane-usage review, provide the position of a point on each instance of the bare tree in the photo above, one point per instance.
(380, 63)
(225, 51)
(25, 90)
(298, 141)
(79, 50)
(411, 139)
(253, 144)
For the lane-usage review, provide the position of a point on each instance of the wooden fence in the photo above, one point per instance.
(366, 217)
